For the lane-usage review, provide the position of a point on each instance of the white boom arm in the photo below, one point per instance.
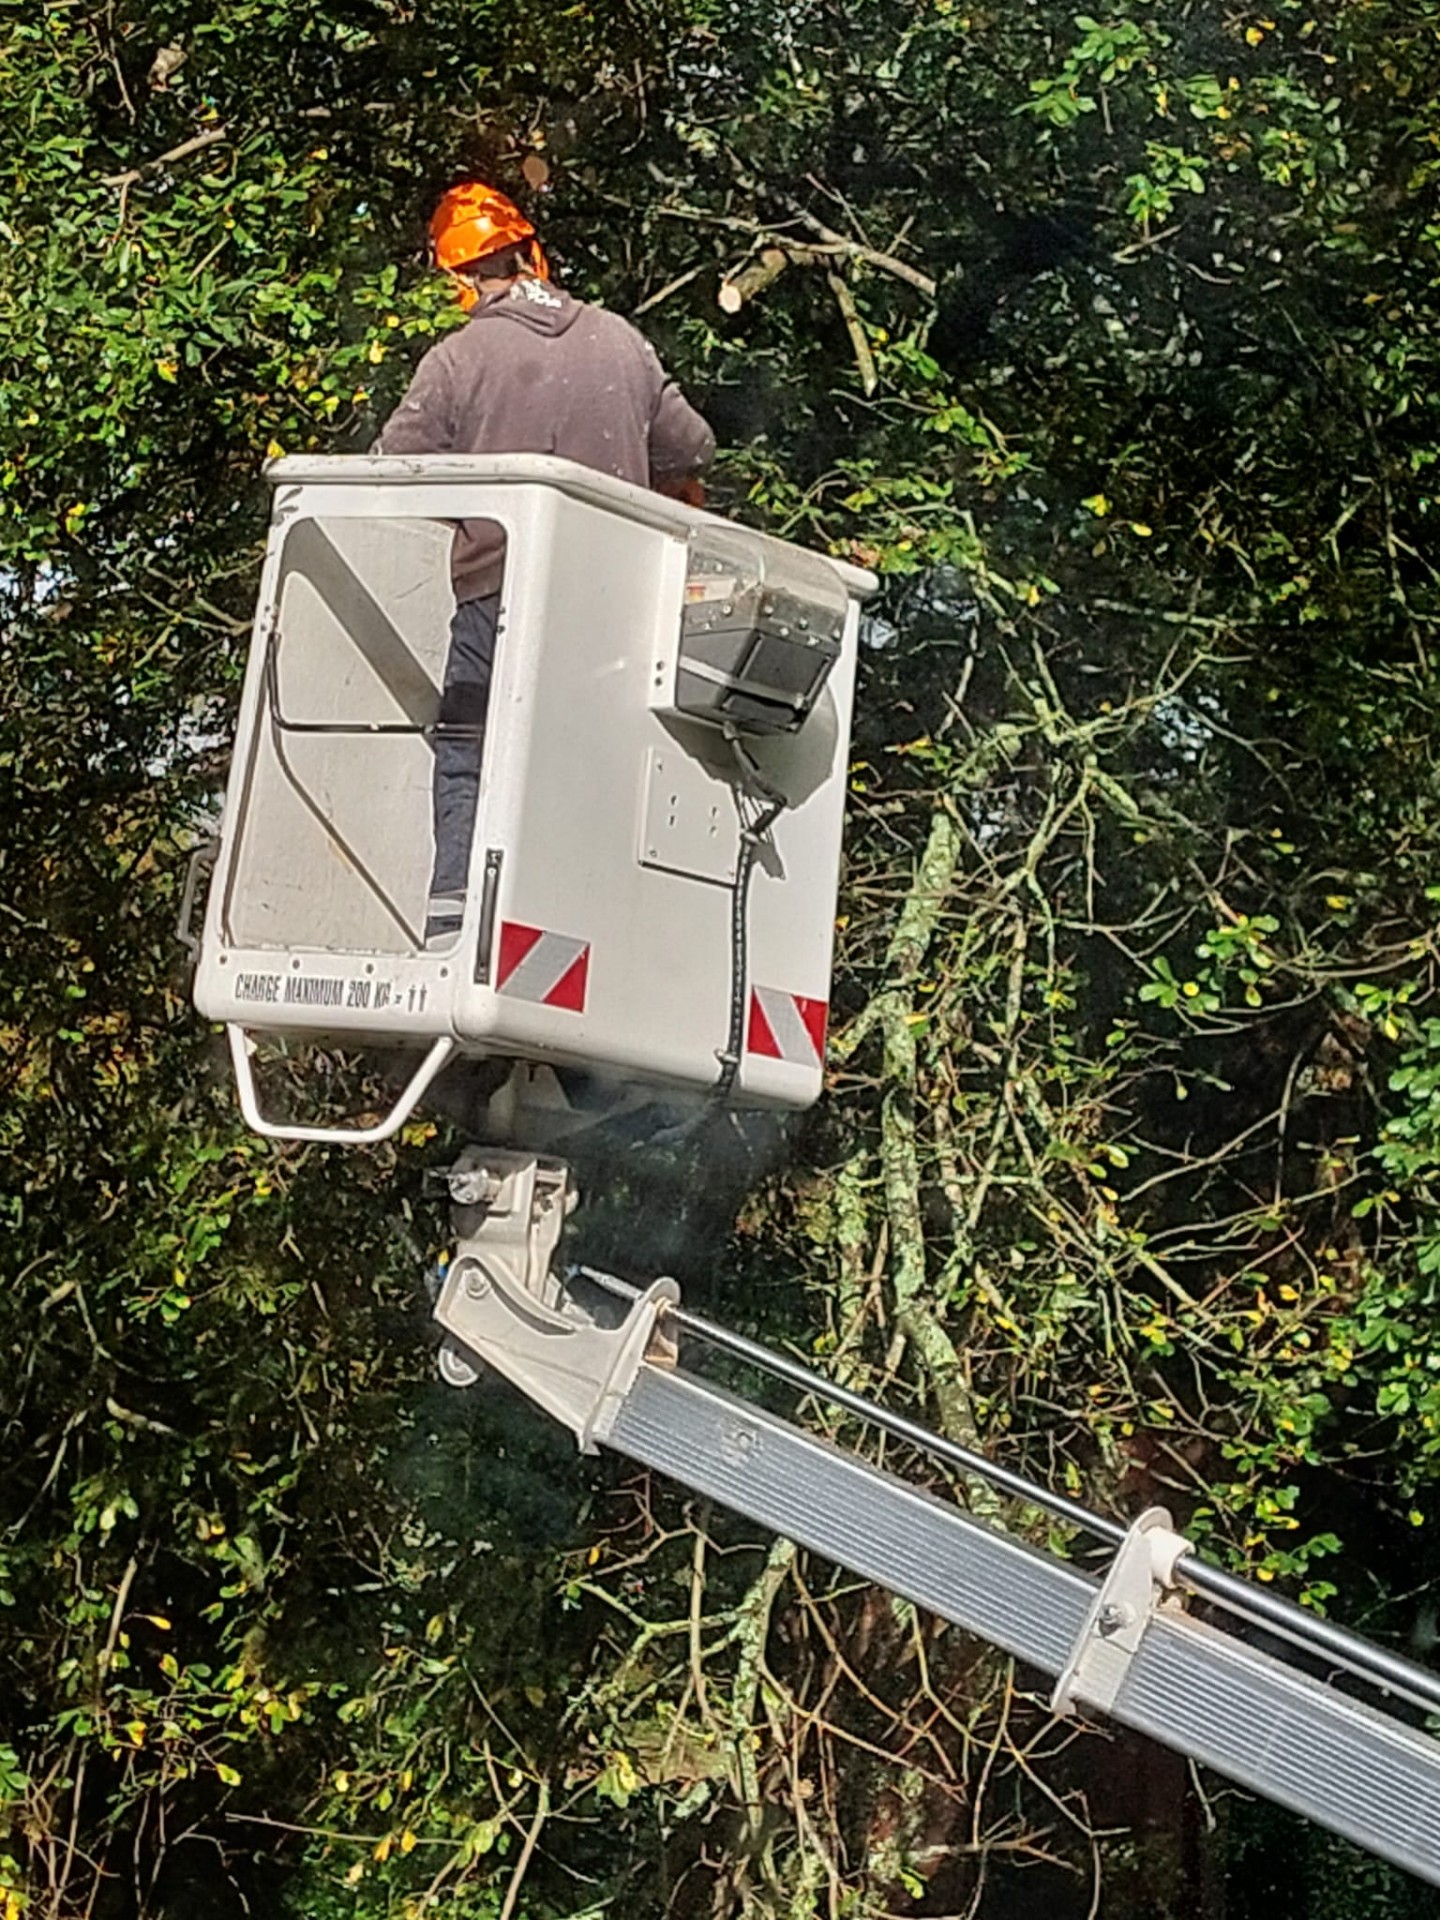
(1123, 1644)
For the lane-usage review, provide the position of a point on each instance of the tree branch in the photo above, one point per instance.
(211, 137)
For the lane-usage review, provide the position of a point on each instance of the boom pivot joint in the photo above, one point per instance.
(1141, 1580)
(502, 1306)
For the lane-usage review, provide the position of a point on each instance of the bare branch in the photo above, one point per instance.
(211, 137)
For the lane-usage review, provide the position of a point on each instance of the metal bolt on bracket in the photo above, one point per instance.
(1141, 1575)
(473, 1186)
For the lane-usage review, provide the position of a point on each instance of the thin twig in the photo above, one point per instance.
(542, 1811)
(855, 327)
(196, 144)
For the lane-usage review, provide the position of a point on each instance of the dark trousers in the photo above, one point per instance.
(463, 703)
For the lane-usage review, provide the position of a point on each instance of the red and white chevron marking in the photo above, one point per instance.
(552, 969)
(787, 1026)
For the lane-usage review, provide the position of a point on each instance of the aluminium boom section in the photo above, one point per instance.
(1267, 1725)
(1318, 1637)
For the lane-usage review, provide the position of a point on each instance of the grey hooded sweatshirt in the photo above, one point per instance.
(537, 372)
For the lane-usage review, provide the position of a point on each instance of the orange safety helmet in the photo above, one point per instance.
(473, 220)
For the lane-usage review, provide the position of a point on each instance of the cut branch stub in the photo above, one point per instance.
(737, 288)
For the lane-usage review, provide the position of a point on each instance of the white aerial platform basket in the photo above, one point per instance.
(599, 927)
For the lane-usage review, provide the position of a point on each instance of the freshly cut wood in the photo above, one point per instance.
(739, 287)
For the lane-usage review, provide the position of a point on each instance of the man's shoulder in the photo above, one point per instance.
(616, 332)
(446, 350)
(606, 317)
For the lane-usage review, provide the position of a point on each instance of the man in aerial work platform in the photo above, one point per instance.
(534, 372)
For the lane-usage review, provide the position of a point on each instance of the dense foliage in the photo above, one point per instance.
(1111, 341)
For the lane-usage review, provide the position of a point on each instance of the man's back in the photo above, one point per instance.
(533, 372)
(536, 371)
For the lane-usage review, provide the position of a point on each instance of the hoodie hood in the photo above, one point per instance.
(531, 303)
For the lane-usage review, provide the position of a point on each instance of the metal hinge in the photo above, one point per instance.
(1140, 1580)
(502, 1306)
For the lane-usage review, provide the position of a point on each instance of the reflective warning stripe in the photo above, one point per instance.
(787, 1026)
(552, 969)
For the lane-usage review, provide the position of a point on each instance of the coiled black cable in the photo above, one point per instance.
(772, 803)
